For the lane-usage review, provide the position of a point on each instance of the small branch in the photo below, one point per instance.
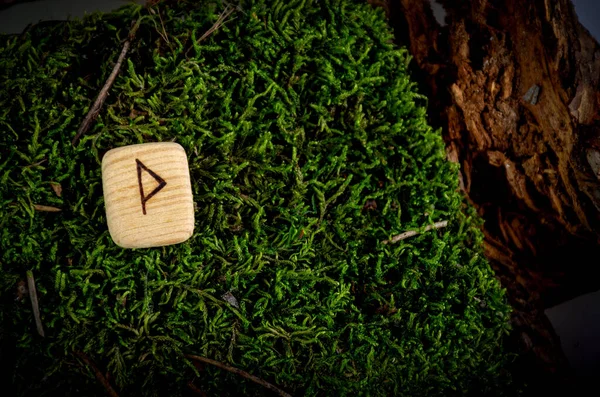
(45, 208)
(412, 233)
(109, 390)
(194, 389)
(239, 372)
(34, 302)
(57, 188)
(42, 161)
(224, 15)
(164, 32)
(95, 109)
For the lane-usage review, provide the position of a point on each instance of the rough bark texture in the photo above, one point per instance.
(515, 87)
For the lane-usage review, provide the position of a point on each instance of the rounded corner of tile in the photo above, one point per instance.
(116, 238)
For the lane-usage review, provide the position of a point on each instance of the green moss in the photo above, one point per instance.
(294, 116)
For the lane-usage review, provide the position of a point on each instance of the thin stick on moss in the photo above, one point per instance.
(194, 389)
(162, 33)
(222, 17)
(412, 233)
(34, 302)
(45, 208)
(88, 361)
(239, 372)
(95, 109)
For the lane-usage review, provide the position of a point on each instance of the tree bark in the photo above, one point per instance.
(514, 85)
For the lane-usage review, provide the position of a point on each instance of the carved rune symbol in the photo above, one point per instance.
(161, 183)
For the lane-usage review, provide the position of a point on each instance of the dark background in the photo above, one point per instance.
(589, 15)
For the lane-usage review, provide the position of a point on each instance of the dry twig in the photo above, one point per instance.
(109, 389)
(162, 34)
(57, 188)
(95, 109)
(34, 302)
(224, 15)
(241, 373)
(194, 389)
(45, 208)
(412, 233)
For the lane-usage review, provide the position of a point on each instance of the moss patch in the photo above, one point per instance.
(308, 147)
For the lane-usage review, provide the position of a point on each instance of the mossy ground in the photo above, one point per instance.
(308, 147)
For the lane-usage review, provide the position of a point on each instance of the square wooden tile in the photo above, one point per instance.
(148, 195)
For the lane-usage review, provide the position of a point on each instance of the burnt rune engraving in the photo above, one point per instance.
(161, 183)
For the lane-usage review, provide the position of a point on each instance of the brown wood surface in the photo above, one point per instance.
(530, 167)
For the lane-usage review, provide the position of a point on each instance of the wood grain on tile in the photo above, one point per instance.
(148, 195)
